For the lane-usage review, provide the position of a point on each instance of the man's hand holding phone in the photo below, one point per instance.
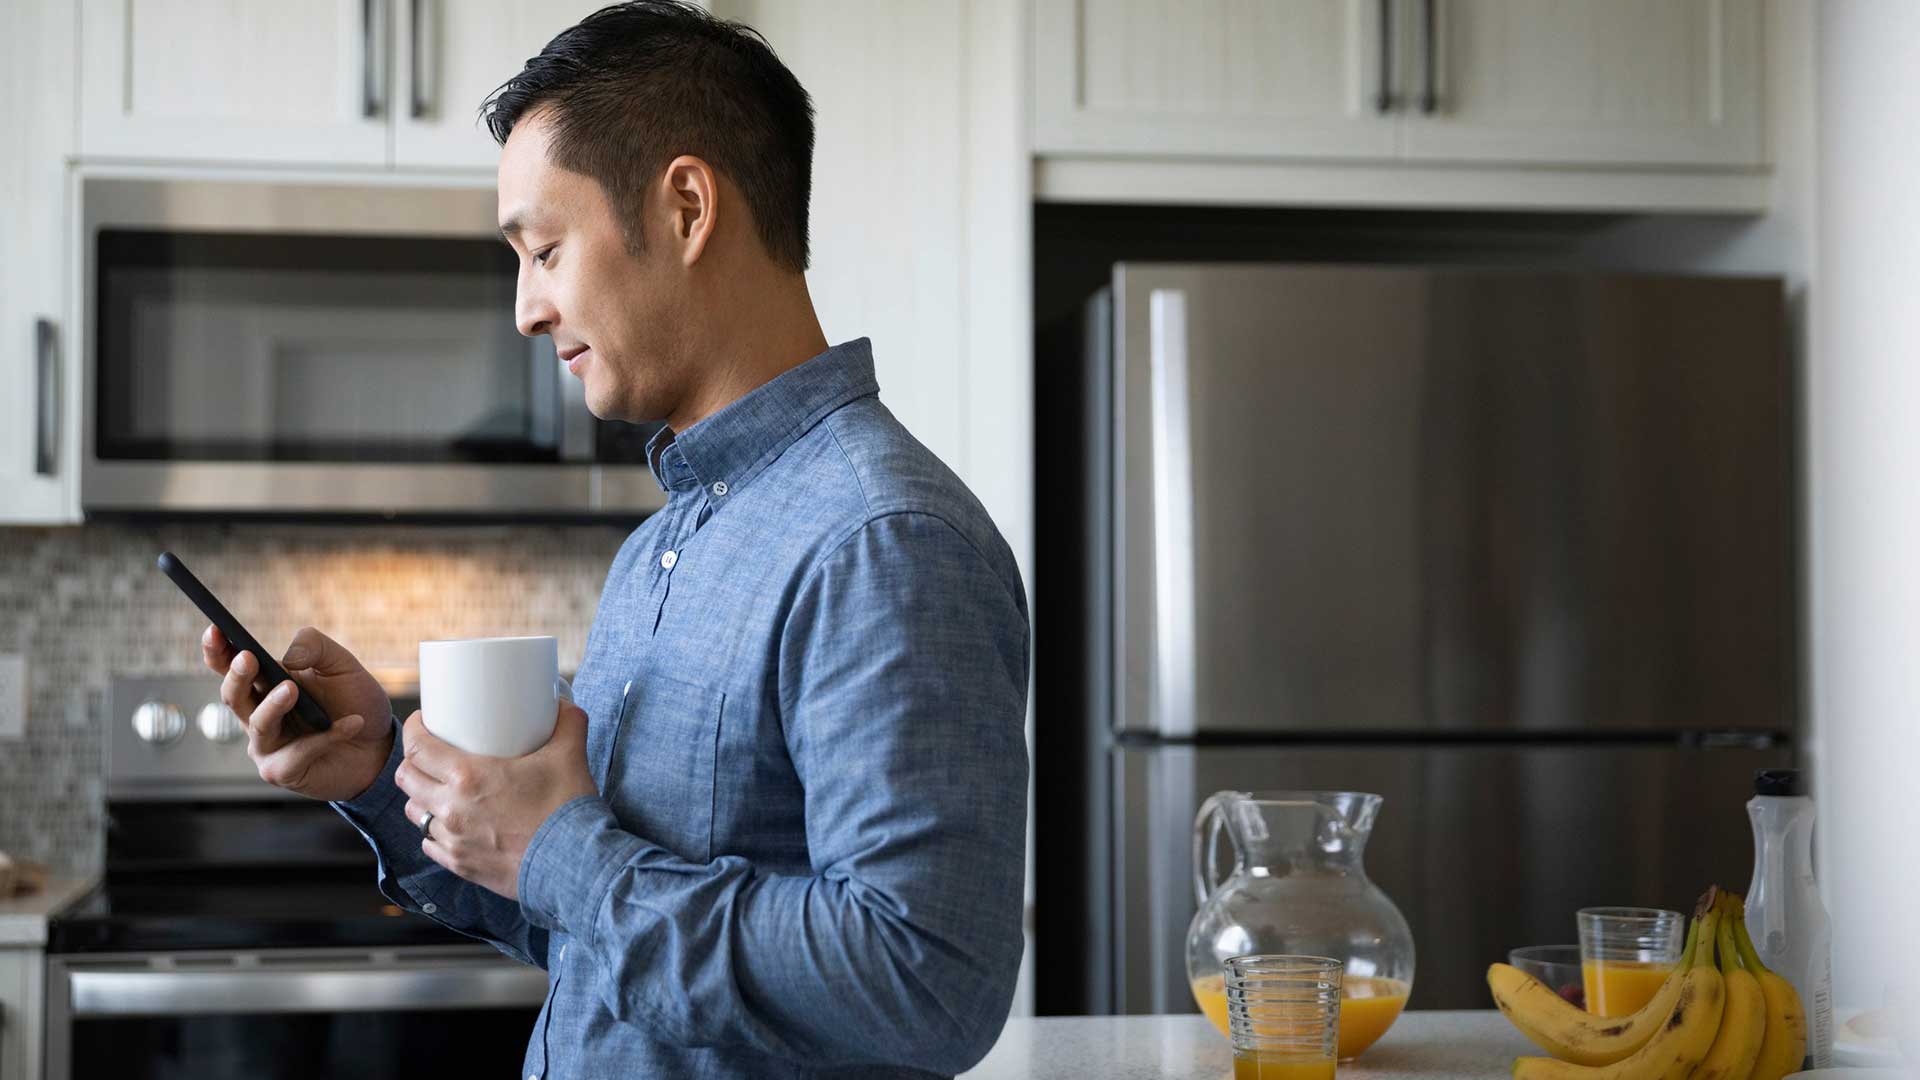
(335, 764)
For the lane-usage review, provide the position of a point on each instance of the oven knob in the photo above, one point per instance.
(159, 723)
(219, 723)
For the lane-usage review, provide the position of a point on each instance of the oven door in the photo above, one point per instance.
(309, 349)
(402, 1013)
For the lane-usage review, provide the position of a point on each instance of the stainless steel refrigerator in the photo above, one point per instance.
(1515, 550)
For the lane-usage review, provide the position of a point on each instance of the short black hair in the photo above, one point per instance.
(636, 84)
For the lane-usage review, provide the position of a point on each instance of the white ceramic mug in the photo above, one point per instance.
(495, 696)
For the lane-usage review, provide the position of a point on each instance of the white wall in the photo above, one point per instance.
(1864, 385)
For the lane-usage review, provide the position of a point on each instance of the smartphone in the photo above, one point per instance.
(307, 714)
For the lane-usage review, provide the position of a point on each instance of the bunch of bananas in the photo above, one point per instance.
(1721, 1015)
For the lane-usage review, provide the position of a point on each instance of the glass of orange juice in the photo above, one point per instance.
(1283, 1015)
(1625, 954)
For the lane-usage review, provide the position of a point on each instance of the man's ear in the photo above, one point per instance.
(691, 197)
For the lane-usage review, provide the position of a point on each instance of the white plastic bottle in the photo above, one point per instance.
(1785, 917)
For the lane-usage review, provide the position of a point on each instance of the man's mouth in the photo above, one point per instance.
(572, 357)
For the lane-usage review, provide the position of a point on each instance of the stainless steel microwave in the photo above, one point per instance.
(316, 348)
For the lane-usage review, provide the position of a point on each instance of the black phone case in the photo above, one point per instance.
(307, 713)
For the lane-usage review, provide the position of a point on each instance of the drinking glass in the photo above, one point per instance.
(1625, 954)
(1283, 1015)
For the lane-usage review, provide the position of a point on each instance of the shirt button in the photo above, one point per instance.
(719, 487)
(428, 908)
(668, 558)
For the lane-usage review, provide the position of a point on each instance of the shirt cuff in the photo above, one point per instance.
(371, 803)
(570, 865)
(379, 814)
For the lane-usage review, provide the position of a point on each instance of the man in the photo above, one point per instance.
(783, 832)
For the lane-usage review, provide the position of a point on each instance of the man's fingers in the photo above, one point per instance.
(428, 755)
(215, 651)
(286, 763)
(265, 732)
(236, 689)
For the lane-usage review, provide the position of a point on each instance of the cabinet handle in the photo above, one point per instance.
(372, 59)
(46, 427)
(419, 15)
(1383, 98)
(1430, 94)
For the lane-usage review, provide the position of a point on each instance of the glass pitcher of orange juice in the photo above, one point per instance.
(1298, 887)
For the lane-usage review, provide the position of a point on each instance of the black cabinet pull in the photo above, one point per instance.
(46, 427)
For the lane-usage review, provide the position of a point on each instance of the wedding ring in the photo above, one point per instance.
(426, 822)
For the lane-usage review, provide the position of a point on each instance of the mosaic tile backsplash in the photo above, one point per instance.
(86, 603)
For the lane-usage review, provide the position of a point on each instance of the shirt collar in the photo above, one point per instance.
(725, 451)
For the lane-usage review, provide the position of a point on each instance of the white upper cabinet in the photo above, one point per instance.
(1601, 82)
(364, 83)
(235, 80)
(1577, 83)
(452, 54)
(1268, 78)
(38, 389)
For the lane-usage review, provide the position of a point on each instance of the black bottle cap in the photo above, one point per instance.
(1778, 782)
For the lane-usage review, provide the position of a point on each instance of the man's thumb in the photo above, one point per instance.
(313, 649)
(570, 726)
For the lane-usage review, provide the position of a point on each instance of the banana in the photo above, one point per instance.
(1569, 1032)
(1785, 1044)
(1680, 1043)
(1743, 1023)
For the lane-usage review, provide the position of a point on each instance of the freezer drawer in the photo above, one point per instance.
(1483, 848)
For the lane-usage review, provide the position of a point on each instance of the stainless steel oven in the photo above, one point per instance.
(317, 348)
(238, 932)
(403, 1013)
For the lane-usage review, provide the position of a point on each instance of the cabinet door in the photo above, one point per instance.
(452, 54)
(1600, 82)
(1219, 78)
(37, 369)
(235, 80)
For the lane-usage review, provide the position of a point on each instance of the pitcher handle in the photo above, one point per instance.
(1206, 846)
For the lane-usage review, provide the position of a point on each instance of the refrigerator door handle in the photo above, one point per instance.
(1173, 546)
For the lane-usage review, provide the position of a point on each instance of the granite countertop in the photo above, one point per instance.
(1421, 1046)
(23, 919)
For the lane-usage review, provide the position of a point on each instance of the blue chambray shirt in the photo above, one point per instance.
(806, 691)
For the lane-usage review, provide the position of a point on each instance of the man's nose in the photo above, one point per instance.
(533, 313)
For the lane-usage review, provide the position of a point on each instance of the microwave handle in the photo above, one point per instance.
(377, 986)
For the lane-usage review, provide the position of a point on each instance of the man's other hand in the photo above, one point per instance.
(486, 809)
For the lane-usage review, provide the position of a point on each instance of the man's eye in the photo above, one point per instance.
(542, 255)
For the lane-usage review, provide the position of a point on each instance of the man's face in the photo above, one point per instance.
(607, 310)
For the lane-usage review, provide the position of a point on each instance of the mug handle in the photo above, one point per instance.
(1206, 846)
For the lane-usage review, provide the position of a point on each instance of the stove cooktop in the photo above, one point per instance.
(282, 913)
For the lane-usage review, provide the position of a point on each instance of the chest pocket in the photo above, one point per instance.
(660, 772)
